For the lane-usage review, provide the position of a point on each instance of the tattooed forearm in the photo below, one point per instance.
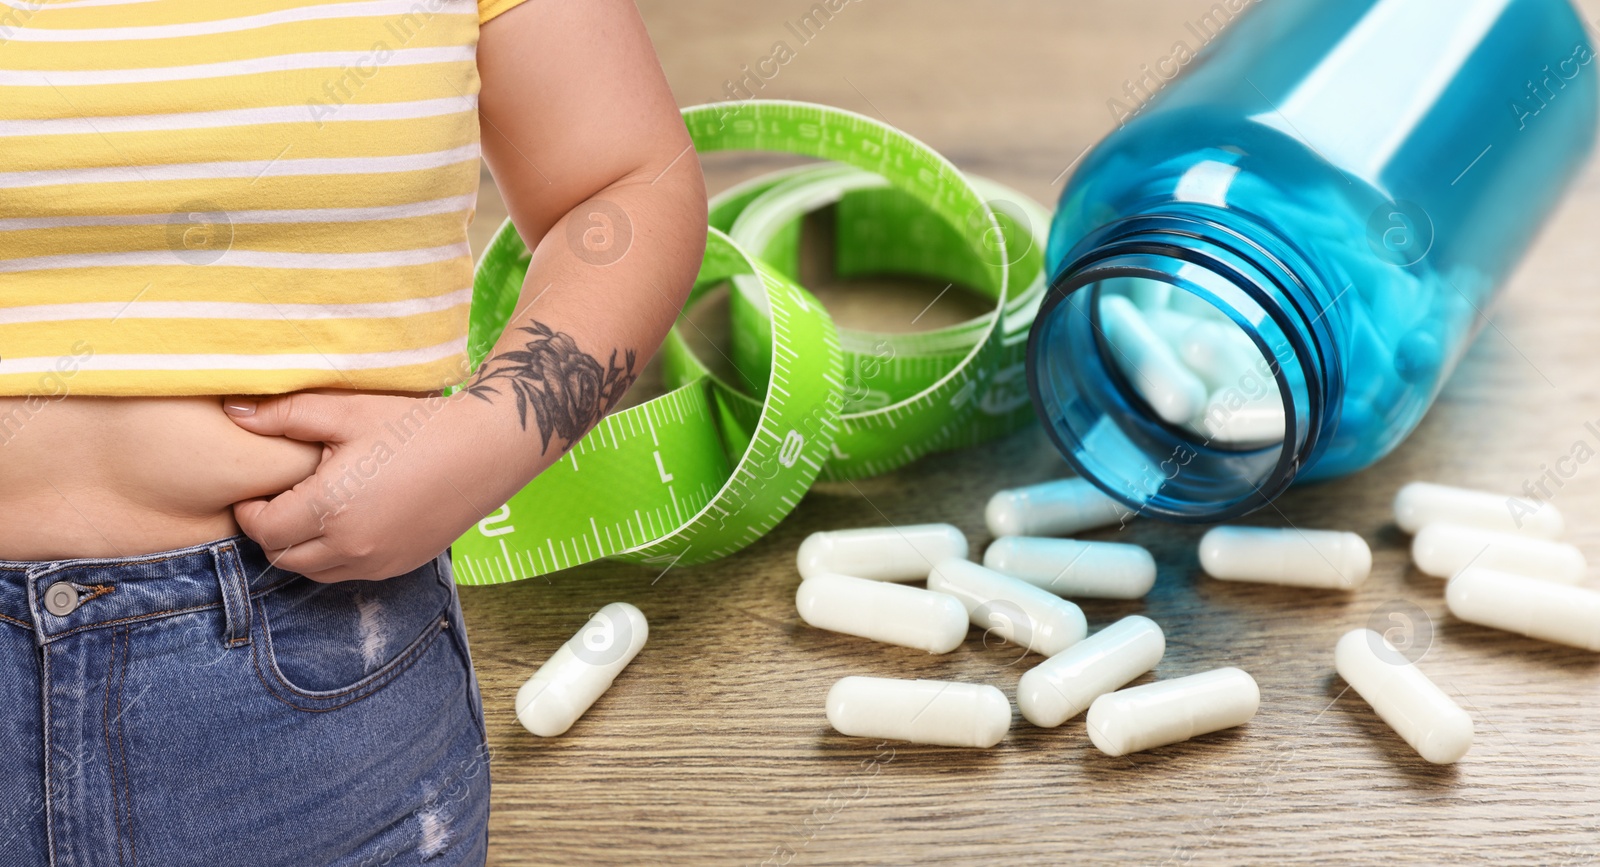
(567, 389)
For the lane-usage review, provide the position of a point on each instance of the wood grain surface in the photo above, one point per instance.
(713, 748)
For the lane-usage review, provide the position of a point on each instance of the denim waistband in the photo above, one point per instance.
(105, 591)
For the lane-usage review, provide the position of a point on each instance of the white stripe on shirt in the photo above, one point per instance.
(279, 168)
(227, 68)
(449, 205)
(83, 125)
(242, 259)
(214, 362)
(88, 310)
(37, 5)
(319, 12)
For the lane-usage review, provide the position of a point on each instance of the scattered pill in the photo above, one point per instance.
(890, 613)
(1288, 556)
(1418, 711)
(881, 553)
(1421, 503)
(1064, 685)
(921, 711)
(1527, 606)
(1442, 550)
(1168, 711)
(1070, 568)
(1058, 508)
(1014, 609)
(1150, 365)
(581, 670)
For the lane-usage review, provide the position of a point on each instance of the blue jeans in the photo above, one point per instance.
(199, 706)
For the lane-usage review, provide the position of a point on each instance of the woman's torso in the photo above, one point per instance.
(158, 251)
(96, 476)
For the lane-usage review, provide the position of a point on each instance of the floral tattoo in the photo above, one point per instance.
(567, 389)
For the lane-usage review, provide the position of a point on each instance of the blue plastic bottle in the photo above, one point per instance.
(1347, 183)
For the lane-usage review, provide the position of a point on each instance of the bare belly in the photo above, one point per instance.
(118, 476)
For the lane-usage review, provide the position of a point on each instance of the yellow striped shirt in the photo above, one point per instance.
(236, 196)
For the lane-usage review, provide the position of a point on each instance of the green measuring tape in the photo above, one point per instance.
(712, 465)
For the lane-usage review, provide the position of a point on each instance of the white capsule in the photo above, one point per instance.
(1169, 325)
(1421, 503)
(581, 670)
(1150, 365)
(1148, 295)
(1058, 508)
(1527, 606)
(1291, 557)
(1016, 610)
(1194, 305)
(1067, 567)
(1064, 685)
(921, 711)
(881, 553)
(1221, 355)
(1418, 711)
(890, 613)
(1442, 550)
(1232, 418)
(1169, 711)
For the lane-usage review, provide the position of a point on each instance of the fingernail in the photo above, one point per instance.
(240, 407)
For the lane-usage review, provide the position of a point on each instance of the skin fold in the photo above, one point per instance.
(585, 143)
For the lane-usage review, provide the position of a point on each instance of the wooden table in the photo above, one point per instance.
(713, 748)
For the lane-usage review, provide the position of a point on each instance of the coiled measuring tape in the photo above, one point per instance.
(712, 465)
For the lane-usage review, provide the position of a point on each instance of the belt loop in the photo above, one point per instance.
(235, 595)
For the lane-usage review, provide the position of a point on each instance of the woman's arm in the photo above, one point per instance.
(587, 146)
(603, 171)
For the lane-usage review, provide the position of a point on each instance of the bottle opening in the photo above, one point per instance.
(1180, 389)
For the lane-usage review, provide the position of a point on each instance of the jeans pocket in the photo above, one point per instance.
(458, 638)
(325, 646)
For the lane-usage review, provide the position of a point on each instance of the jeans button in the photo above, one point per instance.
(61, 598)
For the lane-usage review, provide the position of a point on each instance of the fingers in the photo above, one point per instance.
(314, 559)
(291, 518)
(302, 416)
(321, 562)
(291, 532)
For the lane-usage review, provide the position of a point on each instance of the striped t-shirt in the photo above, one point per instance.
(236, 196)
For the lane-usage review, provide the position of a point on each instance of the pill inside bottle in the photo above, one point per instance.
(1148, 361)
(1190, 364)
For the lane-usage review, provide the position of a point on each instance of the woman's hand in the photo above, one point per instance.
(400, 479)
